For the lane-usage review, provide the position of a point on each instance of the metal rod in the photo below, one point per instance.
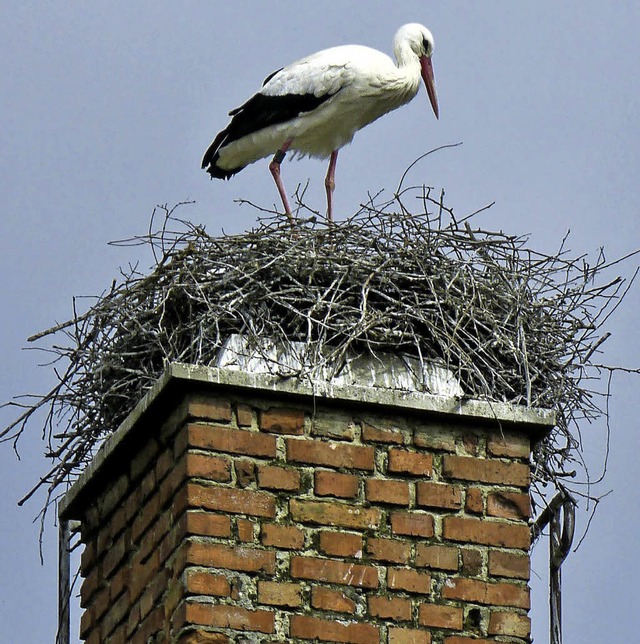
(64, 583)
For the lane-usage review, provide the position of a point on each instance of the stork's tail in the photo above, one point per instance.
(212, 155)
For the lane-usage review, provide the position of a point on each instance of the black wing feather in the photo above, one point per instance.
(259, 112)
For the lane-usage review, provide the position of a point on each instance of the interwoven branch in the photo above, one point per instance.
(511, 323)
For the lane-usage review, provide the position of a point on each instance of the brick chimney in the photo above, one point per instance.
(235, 507)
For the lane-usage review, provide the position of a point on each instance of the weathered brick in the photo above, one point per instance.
(513, 624)
(437, 616)
(481, 592)
(204, 582)
(340, 544)
(202, 637)
(244, 415)
(229, 616)
(509, 564)
(435, 437)
(490, 533)
(389, 435)
(272, 477)
(245, 472)
(207, 524)
(485, 470)
(206, 407)
(389, 550)
(334, 572)
(328, 425)
(460, 639)
(314, 628)
(359, 457)
(411, 463)
(509, 505)
(329, 599)
(205, 466)
(414, 524)
(328, 483)
(336, 514)
(234, 501)
(279, 420)
(438, 495)
(282, 536)
(474, 500)
(437, 557)
(385, 607)
(279, 594)
(408, 636)
(232, 441)
(509, 445)
(217, 555)
(411, 581)
(472, 560)
(386, 491)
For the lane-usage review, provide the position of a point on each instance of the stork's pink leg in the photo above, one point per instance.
(274, 167)
(330, 183)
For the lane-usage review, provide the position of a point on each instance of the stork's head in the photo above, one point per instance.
(418, 39)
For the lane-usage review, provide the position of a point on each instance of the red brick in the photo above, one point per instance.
(279, 594)
(437, 616)
(281, 536)
(509, 445)
(328, 426)
(336, 514)
(245, 530)
(202, 637)
(203, 582)
(314, 628)
(509, 564)
(438, 495)
(207, 524)
(327, 483)
(413, 524)
(244, 415)
(218, 555)
(513, 624)
(489, 533)
(480, 592)
(312, 452)
(509, 505)
(232, 441)
(437, 557)
(234, 501)
(340, 544)
(278, 420)
(214, 468)
(382, 435)
(389, 550)
(227, 616)
(332, 600)
(474, 501)
(272, 477)
(384, 607)
(334, 572)
(209, 408)
(408, 636)
(412, 463)
(485, 470)
(412, 581)
(386, 491)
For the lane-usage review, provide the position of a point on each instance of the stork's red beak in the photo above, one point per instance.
(430, 83)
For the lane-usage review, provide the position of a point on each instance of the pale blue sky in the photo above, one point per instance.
(107, 108)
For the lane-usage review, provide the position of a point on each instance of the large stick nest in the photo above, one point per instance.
(512, 324)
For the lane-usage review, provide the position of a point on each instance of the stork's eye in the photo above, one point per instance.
(427, 46)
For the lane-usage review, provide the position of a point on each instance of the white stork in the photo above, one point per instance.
(315, 106)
